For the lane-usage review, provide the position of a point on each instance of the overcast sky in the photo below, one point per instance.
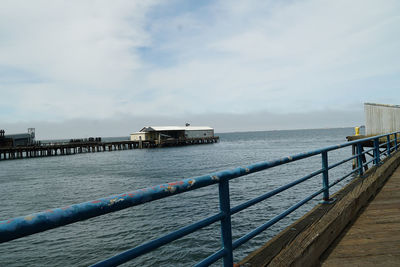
(101, 68)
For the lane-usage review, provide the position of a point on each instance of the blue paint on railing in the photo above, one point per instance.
(325, 175)
(49, 219)
(359, 158)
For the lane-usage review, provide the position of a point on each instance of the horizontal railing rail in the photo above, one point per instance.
(38, 222)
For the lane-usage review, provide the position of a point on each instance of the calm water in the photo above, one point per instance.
(32, 185)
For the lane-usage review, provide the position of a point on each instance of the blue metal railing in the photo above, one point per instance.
(42, 221)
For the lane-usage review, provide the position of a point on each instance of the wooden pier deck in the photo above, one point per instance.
(374, 238)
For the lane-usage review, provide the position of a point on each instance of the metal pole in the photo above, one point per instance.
(226, 227)
(353, 152)
(376, 152)
(388, 145)
(395, 141)
(325, 177)
(359, 158)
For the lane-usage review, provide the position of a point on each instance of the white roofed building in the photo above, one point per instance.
(172, 132)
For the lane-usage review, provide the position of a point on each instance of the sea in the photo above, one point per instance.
(37, 184)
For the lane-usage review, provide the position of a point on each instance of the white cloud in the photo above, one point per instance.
(295, 55)
(84, 58)
(78, 52)
(85, 42)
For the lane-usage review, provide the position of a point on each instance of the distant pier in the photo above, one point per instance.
(69, 148)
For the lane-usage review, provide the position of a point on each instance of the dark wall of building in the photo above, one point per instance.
(21, 139)
(172, 134)
(14, 140)
(5, 142)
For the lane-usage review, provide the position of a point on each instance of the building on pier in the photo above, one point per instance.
(19, 139)
(160, 133)
(5, 142)
(381, 118)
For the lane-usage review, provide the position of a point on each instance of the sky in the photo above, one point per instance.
(107, 68)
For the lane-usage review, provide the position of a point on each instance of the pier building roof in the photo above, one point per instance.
(383, 105)
(175, 128)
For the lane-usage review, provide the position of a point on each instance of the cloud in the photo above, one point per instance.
(67, 60)
(78, 54)
(283, 56)
(87, 42)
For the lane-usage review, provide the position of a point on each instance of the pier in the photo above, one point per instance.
(70, 148)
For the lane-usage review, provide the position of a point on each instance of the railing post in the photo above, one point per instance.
(388, 145)
(395, 141)
(376, 152)
(325, 178)
(359, 159)
(226, 227)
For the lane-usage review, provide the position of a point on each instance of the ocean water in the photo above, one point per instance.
(37, 184)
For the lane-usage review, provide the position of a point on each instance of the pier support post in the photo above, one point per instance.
(376, 152)
(325, 177)
(359, 159)
(353, 153)
(226, 227)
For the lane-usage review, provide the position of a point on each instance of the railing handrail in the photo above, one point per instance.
(49, 219)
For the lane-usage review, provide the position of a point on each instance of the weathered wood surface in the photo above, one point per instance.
(374, 238)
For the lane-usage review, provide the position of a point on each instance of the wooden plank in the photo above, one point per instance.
(374, 238)
(359, 251)
(368, 261)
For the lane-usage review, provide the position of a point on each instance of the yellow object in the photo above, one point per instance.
(357, 129)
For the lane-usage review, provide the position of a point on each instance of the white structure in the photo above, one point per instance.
(381, 118)
(172, 132)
